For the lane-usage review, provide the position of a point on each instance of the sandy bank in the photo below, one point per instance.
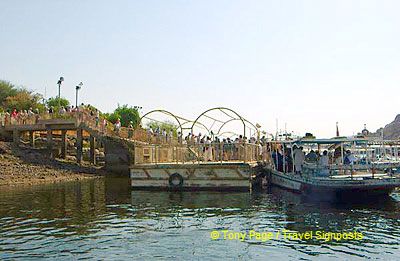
(27, 166)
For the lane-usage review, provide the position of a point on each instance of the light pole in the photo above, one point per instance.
(59, 89)
(77, 88)
(138, 108)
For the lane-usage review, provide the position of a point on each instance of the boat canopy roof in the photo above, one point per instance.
(330, 141)
(325, 141)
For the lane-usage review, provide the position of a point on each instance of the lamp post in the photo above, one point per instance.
(138, 108)
(77, 88)
(59, 89)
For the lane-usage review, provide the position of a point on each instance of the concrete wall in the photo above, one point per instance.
(119, 155)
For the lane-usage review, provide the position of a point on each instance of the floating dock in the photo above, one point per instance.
(193, 176)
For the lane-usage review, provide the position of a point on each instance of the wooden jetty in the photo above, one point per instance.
(75, 134)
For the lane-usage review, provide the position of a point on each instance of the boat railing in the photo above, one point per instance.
(352, 170)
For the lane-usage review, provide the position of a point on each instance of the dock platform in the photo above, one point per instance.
(193, 176)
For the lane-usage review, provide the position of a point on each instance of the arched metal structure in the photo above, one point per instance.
(231, 134)
(222, 109)
(183, 123)
(180, 120)
(198, 123)
(234, 119)
(164, 112)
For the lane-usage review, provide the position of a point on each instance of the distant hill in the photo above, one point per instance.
(391, 131)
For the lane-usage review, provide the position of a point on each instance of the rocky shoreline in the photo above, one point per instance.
(29, 166)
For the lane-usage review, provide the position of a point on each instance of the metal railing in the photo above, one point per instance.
(351, 170)
(196, 153)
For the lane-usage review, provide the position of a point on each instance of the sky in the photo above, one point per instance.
(307, 64)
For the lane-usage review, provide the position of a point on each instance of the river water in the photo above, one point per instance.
(104, 219)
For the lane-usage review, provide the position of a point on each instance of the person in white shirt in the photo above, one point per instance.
(324, 163)
(299, 157)
(208, 150)
(170, 135)
(324, 159)
(117, 126)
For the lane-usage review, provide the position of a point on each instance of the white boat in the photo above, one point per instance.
(363, 177)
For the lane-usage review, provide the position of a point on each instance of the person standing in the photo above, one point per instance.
(14, 116)
(170, 136)
(198, 138)
(324, 159)
(349, 158)
(103, 125)
(117, 126)
(208, 150)
(97, 118)
(217, 148)
(299, 157)
(324, 163)
(260, 151)
(7, 118)
(130, 130)
(312, 157)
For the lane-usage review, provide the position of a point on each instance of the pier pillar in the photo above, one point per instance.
(32, 139)
(79, 145)
(63, 144)
(16, 137)
(49, 138)
(92, 149)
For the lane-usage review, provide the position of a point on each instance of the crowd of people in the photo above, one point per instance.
(206, 147)
(9, 117)
(293, 159)
(32, 116)
(214, 148)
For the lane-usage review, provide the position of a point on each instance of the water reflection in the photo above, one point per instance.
(104, 218)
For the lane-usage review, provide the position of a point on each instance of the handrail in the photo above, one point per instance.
(196, 153)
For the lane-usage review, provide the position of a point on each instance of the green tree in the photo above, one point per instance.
(125, 114)
(55, 102)
(23, 100)
(7, 89)
(165, 125)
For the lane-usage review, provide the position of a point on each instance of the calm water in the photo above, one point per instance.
(104, 219)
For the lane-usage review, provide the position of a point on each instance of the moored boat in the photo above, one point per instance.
(332, 174)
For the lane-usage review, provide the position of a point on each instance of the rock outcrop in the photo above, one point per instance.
(391, 131)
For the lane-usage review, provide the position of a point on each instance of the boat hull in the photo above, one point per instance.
(327, 188)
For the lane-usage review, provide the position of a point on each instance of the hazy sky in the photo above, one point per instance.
(307, 63)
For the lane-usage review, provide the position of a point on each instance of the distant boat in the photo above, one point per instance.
(369, 173)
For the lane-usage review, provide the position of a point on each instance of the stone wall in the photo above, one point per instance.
(5, 135)
(119, 155)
